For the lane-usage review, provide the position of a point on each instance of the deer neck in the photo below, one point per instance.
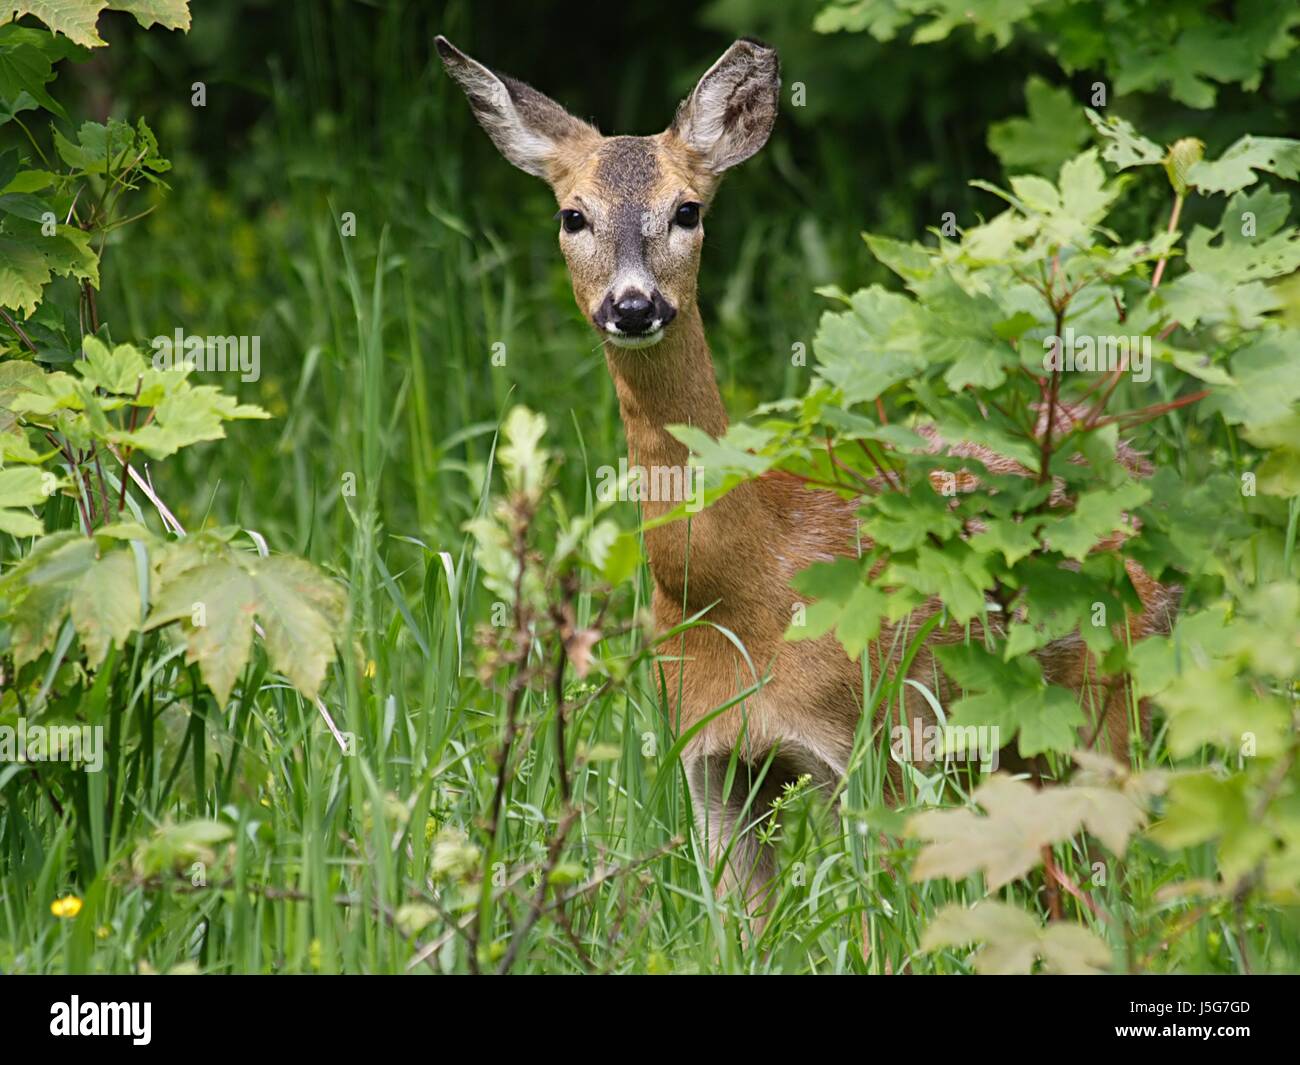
(670, 384)
(673, 383)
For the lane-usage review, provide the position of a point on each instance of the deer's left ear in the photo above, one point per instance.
(529, 129)
(729, 114)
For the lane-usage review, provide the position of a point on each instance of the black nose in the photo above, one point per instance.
(633, 314)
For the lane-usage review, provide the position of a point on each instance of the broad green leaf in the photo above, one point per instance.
(864, 351)
(522, 455)
(1237, 167)
(301, 611)
(1013, 942)
(860, 622)
(1014, 539)
(106, 604)
(1213, 706)
(1249, 243)
(1266, 375)
(29, 260)
(216, 603)
(117, 371)
(1202, 807)
(1019, 820)
(25, 486)
(39, 589)
(1125, 146)
(76, 19)
(27, 56)
(1096, 516)
(217, 600)
(1053, 131)
(956, 575)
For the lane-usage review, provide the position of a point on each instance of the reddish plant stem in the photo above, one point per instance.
(1173, 224)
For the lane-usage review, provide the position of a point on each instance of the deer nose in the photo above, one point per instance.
(633, 313)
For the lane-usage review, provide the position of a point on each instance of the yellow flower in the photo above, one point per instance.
(68, 906)
(370, 668)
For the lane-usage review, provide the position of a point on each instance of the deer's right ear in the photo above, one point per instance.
(528, 128)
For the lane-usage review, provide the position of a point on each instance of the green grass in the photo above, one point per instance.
(377, 364)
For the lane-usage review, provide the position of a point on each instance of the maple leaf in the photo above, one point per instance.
(1012, 941)
(76, 19)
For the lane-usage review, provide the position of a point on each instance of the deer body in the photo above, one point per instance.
(631, 233)
(736, 560)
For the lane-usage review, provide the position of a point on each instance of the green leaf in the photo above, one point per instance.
(1237, 167)
(1202, 807)
(217, 600)
(903, 521)
(76, 19)
(1213, 706)
(1019, 821)
(864, 351)
(301, 611)
(117, 371)
(859, 624)
(1011, 697)
(173, 849)
(1013, 942)
(185, 414)
(957, 575)
(21, 487)
(1014, 539)
(1123, 146)
(112, 147)
(1096, 516)
(522, 456)
(27, 58)
(1266, 376)
(29, 260)
(106, 604)
(1053, 131)
(1249, 242)
(39, 589)
(622, 559)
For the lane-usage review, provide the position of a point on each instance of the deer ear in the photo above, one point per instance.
(528, 128)
(729, 114)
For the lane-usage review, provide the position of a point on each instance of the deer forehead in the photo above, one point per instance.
(624, 177)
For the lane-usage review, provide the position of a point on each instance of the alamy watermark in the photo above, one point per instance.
(77, 1018)
(241, 354)
(651, 484)
(939, 743)
(1087, 353)
(82, 744)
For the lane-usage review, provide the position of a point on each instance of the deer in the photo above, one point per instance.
(631, 213)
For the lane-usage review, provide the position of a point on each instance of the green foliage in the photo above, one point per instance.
(1052, 132)
(76, 19)
(94, 605)
(1002, 478)
(1189, 50)
(1012, 942)
(350, 834)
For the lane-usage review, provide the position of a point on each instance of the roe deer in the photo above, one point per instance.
(631, 232)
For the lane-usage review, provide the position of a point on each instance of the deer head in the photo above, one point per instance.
(631, 208)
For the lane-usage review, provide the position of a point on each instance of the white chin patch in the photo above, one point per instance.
(645, 340)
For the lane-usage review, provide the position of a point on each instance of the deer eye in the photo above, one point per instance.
(688, 215)
(573, 221)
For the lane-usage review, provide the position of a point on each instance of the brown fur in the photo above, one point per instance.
(736, 558)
